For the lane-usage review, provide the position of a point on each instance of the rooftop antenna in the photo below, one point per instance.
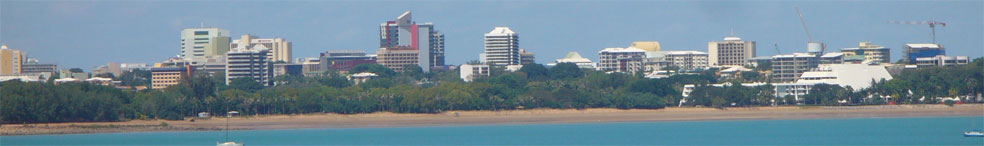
(203, 24)
(732, 31)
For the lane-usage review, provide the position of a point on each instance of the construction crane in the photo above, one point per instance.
(932, 25)
(777, 49)
(823, 47)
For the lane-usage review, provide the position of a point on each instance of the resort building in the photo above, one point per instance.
(469, 72)
(198, 43)
(574, 57)
(280, 49)
(251, 64)
(423, 38)
(502, 47)
(687, 60)
(868, 52)
(732, 51)
(162, 77)
(621, 59)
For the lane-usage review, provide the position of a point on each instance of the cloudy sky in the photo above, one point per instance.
(85, 34)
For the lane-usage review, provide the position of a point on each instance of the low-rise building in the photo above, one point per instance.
(361, 77)
(343, 60)
(526, 57)
(788, 67)
(621, 59)
(280, 69)
(471, 71)
(941, 60)
(162, 77)
(397, 57)
(868, 53)
(913, 51)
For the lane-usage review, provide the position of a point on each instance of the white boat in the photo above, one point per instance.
(229, 143)
(977, 133)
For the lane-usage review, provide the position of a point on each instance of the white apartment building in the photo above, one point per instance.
(502, 47)
(731, 51)
(280, 49)
(621, 59)
(470, 71)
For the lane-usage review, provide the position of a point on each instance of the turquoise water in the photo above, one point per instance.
(867, 131)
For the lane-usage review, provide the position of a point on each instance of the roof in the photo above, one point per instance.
(796, 55)
(646, 45)
(622, 50)
(501, 31)
(732, 39)
(923, 45)
(685, 53)
(364, 74)
(833, 54)
(573, 57)
(858, 76)
(735, 69)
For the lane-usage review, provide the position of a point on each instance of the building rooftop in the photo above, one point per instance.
(832, 54)
(923, 45)
(622, 50)
(794, 55)
(858, 76)
(573, 57)
(502, 30)
(732, 38)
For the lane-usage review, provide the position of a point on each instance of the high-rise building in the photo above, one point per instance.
(913, 51)
(280, 49)
(621, 59)
(343, 60)
(732, 51)
(397, 58)
(251, 64)
(423, 38)
(789, 67)
(10, 60)
(502, 47)
(870, 53)
(199, 43)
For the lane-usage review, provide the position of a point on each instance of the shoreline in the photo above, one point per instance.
(507, 117)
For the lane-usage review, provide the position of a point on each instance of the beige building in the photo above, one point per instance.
(396, 58)
(646, 45)
(162, 77)
(10, 61)
(280, 49)
(621, 59)
(731, 52)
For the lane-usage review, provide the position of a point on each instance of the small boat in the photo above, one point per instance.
(974, 133)
(229, 143)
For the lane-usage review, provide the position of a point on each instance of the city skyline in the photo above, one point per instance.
(65, 32)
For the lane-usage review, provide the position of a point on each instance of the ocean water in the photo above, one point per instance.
(862, 131)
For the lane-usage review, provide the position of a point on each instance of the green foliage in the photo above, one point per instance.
(245, 84)
(76, 70)
(135, 77)
(535, 71)
(566, 70)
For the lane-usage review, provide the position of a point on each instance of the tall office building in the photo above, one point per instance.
(249, 64)
(869, 53)
(405, 33)
(32, 66)
(10, 61)
(280, 49)
(526, 57)
(502, 47)
(200, 43)
(731, 51)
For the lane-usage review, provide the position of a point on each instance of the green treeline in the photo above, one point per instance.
(563, 86)
(534, 86)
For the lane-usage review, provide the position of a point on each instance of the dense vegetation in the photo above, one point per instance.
(415, 91)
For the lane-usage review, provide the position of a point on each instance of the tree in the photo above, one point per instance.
(565, 70)
(535, 71)
(245, 84)
(76, 70)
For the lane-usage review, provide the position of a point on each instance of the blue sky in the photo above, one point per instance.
(89, 33)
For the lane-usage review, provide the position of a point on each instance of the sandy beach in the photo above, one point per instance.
(530, 116)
